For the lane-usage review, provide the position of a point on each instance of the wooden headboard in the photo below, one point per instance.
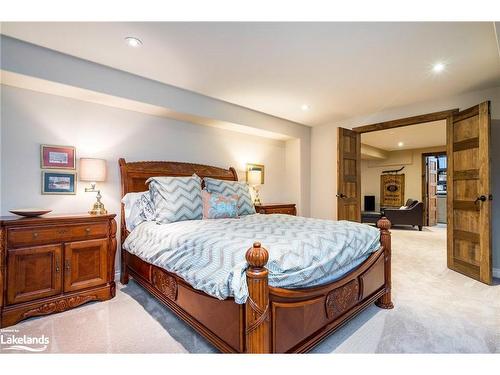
(135, 174)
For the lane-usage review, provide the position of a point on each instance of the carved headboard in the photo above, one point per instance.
(135, 174)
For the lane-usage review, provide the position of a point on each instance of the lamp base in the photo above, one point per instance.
(256, 200)
(98, 209)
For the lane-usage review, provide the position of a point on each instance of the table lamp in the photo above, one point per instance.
(254, 179)
(94, 170)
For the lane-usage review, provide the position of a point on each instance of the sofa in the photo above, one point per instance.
(412, 213)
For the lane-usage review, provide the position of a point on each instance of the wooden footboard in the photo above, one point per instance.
(273, 320)
(295, 320)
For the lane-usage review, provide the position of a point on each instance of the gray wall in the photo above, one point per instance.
(29, 119)
(34, 61)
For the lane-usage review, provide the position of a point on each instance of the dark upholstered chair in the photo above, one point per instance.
(413, 214)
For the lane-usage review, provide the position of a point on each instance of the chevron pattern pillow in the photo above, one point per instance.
(228, 188)
(176, 198)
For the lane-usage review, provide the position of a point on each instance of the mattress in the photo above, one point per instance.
(210, 254)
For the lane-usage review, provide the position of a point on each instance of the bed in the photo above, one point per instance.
(263, 318)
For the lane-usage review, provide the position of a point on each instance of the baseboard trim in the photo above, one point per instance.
(496, 273)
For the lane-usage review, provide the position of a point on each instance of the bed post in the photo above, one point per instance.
(384, 225)
(257, 327)
(124, 276)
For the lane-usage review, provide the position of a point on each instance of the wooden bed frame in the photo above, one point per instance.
(273, 320)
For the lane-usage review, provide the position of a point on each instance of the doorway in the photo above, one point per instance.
(434, 188)
(469, 249)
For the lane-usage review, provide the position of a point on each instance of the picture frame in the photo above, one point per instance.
(253, 167)
(57, 157)
(59, 182)
(392, 190)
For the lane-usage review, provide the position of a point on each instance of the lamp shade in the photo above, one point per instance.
(93, 170)
(254, 177)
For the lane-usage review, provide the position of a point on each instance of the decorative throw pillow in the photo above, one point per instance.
(176, 198)
(146, 207)
(228, 188)
(138, 207)
(217, 206)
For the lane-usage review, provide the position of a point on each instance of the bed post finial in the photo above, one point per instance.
(258, 328)
(385, 301)
(257, 256)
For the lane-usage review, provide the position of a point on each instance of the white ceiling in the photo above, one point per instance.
(429, 134)
(340, 70)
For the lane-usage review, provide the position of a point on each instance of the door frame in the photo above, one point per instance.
(407, 121)
(424, 182)
(398, 123)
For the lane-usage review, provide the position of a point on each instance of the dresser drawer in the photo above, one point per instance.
(280, 210)
(39, 235)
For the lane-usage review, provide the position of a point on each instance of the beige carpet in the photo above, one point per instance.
(436, 311)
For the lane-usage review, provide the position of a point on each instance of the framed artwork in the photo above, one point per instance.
(392, 190)
(57, 157)
(55, 182)
(255, 167)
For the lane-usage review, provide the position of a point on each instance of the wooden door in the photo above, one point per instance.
(85, 264)
(432, 175)
(33, 273)
(348, 175)
(469, 199)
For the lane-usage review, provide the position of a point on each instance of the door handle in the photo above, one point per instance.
(67, 265)
(481, 198)
(341, 195)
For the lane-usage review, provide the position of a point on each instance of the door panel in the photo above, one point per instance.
(469, 199)
(85, 264)
(431, 191)
(348, 175)
(33, 273)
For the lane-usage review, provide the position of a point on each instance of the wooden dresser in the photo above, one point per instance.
(276, 208)
(53, 263)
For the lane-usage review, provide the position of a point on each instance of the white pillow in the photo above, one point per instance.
(138, 207)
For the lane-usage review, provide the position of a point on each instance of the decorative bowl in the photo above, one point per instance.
(30, 212)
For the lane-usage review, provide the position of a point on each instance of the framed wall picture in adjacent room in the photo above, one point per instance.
(55, 182)
(57, 157)
(392, 190)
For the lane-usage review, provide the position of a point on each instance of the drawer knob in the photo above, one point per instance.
(35, 234)
(87, 230)
(67, 265)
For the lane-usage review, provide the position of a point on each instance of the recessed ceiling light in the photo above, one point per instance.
(304, 107)
(438, 67)
(133, 42)
(400, 144)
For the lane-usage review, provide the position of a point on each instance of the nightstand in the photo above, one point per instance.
(276, 208)
(54, 263)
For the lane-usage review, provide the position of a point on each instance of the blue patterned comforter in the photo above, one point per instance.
(210, 254)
